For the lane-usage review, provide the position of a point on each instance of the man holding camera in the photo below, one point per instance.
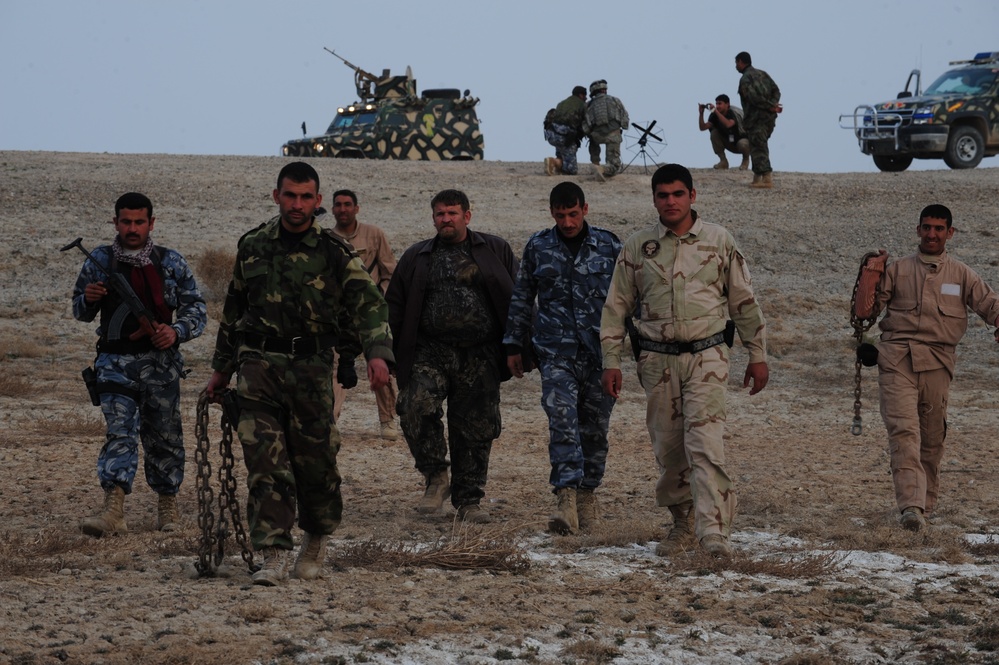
(725, 125)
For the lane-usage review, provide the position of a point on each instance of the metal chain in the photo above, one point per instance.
(211, 551)
(860, 326)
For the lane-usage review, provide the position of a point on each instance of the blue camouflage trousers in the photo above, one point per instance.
(289, 444)
(565, 147)
(468, 378)
(140, 400)
(578, 419)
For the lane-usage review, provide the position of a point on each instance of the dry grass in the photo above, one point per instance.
(22, 347)
(16, 386)
(214, 271)
(787, 566)
(465, 548)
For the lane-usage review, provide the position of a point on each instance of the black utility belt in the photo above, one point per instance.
(125, 347)
(295, 346)
(676, 348)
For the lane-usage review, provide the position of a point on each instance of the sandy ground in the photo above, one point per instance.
(822, 573)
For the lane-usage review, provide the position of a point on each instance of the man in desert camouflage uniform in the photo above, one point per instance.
(686, 277)
(926, 297)
(448, 301)
(760, 105)
(568, 269)
(292, 283)
(138, 371)
(605, 121)
(566, 132)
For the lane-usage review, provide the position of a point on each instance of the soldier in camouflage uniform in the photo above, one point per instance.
(686, 277)
(760, 105)
(568, 269)
(138, 371)
(604, 122)
(565, 132)
(448, 301)
(293, 283)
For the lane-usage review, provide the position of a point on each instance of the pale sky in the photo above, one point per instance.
(203, 77)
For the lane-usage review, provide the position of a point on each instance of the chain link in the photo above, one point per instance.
(860, 326)
(211, 551)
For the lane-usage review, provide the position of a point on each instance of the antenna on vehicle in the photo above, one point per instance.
(303, 128)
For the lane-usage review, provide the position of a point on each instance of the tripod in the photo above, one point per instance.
(643, 140)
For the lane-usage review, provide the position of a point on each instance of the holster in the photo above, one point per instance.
(90, 380)
(230, 408)
(729, 333)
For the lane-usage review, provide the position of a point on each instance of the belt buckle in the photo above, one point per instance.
(294, 345)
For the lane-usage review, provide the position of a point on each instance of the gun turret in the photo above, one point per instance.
(364, 81)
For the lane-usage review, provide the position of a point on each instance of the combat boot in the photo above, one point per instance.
(745, 161)
(912, 519)
(587, 509)
(311, 557)
(756, 180)
(275, 567)
(765, 181)
(565, 519)
(681, 536)
(474, 513)
(167, 515)
(556, 166)
(111, 519)
(717, 545)
(438, 489)
(722, 163)
(599, 170)
(549, 166)
(388, 430)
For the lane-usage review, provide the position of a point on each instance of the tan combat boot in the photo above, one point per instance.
(717, 545)
(765, 181)
(722, 163)
(565, 519)
(111, 519)
(438, 489)
(275, 567)
(474, 513)
(549, 166)
(167, 515)
(913, 519)
(681, 536)
(587, 509)
(311, 557)
(745, 161)
(388, 430)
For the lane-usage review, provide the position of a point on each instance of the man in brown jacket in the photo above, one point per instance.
(926, 297)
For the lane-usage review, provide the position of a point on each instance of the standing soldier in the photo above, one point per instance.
(292, 285)
(760, 105)
(568, 269)
(373, 249)
(605, 121)
(139, 364)
(926, 297)
(448, 302)
(565, 131)
(686, 277)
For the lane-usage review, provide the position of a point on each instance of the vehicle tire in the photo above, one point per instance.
(892, 163)
(965, 148)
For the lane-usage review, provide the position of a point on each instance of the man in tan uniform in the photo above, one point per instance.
(373, 248)
(926, 297)
(687, 277)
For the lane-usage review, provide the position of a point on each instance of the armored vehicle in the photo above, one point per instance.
(956, 118)
(392, 121)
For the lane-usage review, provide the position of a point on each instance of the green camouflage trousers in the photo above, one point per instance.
(759, 127)
(468, 378)
(612, 139)
(290, 445)
(686, 419)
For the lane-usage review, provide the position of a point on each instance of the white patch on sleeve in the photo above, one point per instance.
(950, 289)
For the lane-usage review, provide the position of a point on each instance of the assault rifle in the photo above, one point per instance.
(116, 282)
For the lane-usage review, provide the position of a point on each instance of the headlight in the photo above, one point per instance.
(923, 115)
(318, 147)
(284, 149)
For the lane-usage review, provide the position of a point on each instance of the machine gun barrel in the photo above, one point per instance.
(360, 72)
